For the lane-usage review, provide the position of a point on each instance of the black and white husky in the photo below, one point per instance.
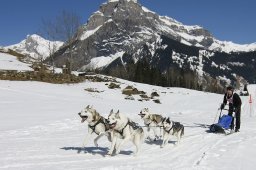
(171, 128)
(152, 121)
(124, 129)
(96, 124)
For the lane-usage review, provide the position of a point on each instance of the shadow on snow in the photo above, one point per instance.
(94, 150)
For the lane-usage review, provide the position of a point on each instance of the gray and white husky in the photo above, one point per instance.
(124, 129)
(96, 124)
(171, 128)
(152, 121)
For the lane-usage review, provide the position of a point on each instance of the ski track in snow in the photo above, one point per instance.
(56, 142)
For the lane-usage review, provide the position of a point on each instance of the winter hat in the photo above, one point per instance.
(230, 88)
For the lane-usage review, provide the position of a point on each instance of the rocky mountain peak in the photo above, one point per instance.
(135, 1)
(35, 47)
(124, 31)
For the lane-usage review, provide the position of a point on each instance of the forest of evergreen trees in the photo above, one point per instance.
(143, 72)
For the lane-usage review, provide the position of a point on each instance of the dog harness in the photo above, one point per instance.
(168, 131)
(148, 124)
(130, 123)
(175, 125)
(93, 127)
(122, 131)
(154, 120)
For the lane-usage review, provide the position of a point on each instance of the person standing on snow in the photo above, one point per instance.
(234, 102)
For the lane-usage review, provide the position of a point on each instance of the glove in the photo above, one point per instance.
(222, 106)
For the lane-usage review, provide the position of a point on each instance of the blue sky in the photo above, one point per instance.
(231, 20)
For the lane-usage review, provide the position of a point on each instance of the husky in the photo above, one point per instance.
(152, 121)
(96, 124)
(124, 129)
(171, 128)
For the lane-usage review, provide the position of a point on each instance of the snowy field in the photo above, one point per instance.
(10, 62)
(40, 129)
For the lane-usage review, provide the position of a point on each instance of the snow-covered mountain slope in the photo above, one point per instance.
(152, 23)
(228, 46)
(198, 36)
(126, 27)
(189, 36)
(36, 47)
(3, 49)
(10, 62)
(40, 129)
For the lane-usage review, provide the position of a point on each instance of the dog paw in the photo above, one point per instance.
(117, 151)
(109, 154)
(162, 146)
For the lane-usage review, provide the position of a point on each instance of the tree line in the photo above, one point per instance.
(143, 72)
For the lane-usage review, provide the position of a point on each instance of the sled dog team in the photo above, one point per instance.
(119, 126)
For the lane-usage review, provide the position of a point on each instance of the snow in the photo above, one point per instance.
(88, 33)
(238, 64)
(99, 62)
(170, 21)
(190, 37)
(98, 13)
(224, 78)
(206, 53)
(177, 58)
(185, 42)
(40, 129)
(36, 46)
(176, 27)
(10, 62)
(201, 65)
(228, 46)
(147, 10)
(214, 64)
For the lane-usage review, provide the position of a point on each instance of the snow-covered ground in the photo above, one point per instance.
(40, 129)
(10, 62)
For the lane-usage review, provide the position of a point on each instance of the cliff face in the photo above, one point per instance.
(125, 27)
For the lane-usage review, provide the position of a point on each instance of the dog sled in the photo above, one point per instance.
(224, 124)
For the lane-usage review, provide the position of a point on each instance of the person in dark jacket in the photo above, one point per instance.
(234, 102)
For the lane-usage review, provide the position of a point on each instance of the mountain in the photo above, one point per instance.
(123, 32)
(35, 47)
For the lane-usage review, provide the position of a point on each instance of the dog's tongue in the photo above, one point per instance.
(82, 121)
(112, 125)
